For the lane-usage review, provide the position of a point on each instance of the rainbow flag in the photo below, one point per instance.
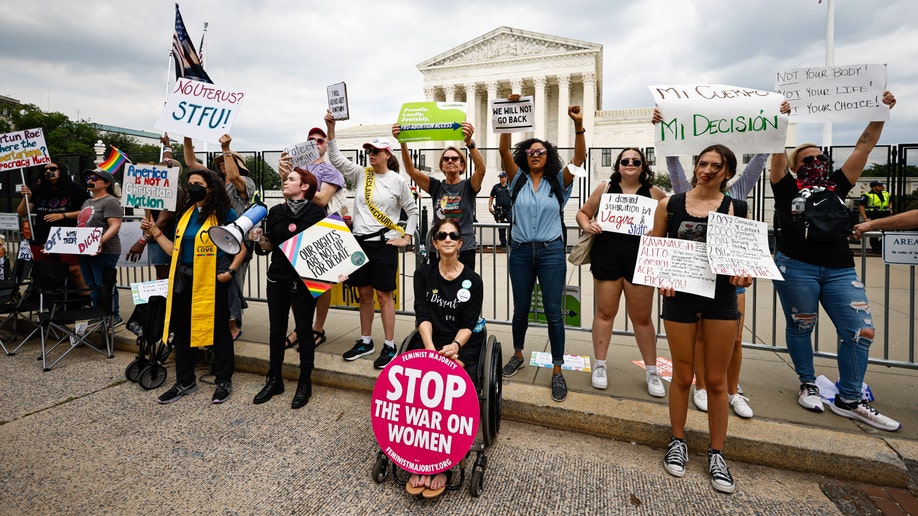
(115, 160)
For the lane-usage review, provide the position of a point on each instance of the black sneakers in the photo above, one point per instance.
(385, 356)
(359, 350)
(558, 387)
(676, 457)
(513, 365)
(223, 391)
(721, 478)
(176, 392)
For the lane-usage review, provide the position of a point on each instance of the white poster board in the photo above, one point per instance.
(303, 153)
(150, 187)
(739, 247)
(850, 93)
(673, 263)
(337, 101)
(142, 292)
(64, 240)
(513, 116)
(323, 252)
(626, 213)
(130, 233)
(9, 221)
(200, 110)
(747, 120)
(900, 247)
(22, 149)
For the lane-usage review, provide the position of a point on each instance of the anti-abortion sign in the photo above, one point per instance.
(22, 149)
(509, 116)
(849, 93)
(431, 121)
(200, 110)
(747, 120)
(626, 213)
(324, 251)
(337, 101)
(303, 153)
(142, 292)
(150, 187)
(681, 265)
(739, 247)
(62, 240)
(424, 412)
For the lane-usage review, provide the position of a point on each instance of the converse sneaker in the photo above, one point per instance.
(222, 393)
(558, 387)
(513, 365)
(655, 385)
(861, 411)
(386, 355)
(809, 397)
(600, 380)
(701, 399)
(360, 349)
(676, 457)
(721, 478)
(176, 392)
(740, 407)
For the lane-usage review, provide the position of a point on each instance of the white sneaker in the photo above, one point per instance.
(655, 385)
(740, 407)
(809, 397)
(861, 411)
(701, 399)
(600, 380)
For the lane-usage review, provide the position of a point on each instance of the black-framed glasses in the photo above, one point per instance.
(319, 141)
(633, 162)
(450, 158)
(454, 236)
(372, 151)
(535, 153)
(51, 169)
(822, 158)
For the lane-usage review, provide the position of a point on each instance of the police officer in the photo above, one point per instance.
(875, 204)
(499, 204)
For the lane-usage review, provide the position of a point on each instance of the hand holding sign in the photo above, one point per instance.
(200, 110)
(323, 252)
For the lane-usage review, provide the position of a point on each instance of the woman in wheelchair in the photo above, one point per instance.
(447, 300)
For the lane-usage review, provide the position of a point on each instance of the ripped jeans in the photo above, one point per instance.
(844, 299)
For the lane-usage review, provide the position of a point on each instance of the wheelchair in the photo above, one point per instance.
(489, 389)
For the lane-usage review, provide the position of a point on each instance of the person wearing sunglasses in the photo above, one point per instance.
(538, 244)
(381, 195)
(102, 210)
(613, 258)
(454, 197)
(821, 272)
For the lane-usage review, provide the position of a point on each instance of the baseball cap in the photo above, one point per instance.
(103, 174)
(379, 143)
(502, 174)
(876, 183)
(315, 130)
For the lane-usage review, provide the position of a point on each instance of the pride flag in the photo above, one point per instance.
(115, 160)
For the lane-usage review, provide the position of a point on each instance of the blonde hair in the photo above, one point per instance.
(792, 157)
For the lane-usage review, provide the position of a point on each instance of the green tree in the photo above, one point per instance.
(882, 170)
(271, 179)
(662, 181)
(62, 135)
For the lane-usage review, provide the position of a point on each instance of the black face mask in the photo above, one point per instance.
(196, 193)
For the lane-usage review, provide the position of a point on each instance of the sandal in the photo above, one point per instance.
(291, 343)
(414, 491)
(433, 493)
(318, 337)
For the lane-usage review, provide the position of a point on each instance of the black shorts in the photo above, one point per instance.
(690, 308)
(381, 272)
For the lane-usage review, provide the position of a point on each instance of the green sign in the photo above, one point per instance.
(570, 306)
(431, 121)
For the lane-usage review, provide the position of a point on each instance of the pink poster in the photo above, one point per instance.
(424, 412)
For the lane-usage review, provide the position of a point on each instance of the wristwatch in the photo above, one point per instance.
(232, 272)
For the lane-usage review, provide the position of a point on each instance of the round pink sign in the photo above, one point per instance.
(424, 412)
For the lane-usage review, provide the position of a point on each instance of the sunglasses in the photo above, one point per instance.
(822, 158)
(51, 169)
(319, 141)
(372, 151)
(450, 158)
(536, 153)
(634, 162)
(93, 178)
(441, 235)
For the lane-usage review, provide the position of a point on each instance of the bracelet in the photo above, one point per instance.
(582, 131)
(142, 241)
(471, 145)
(456, 342)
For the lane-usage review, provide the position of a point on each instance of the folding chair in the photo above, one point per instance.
(64, 319)
(16, 305)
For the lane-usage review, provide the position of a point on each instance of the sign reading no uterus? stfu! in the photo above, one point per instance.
(22, 149)
(431, 121)
(200, 110)
(850, 93)
(150, 187)
(512, 116)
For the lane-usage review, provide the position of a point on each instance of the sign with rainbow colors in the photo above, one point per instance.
(323, 252)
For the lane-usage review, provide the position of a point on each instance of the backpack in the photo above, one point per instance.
(556, 191)
(823, 217)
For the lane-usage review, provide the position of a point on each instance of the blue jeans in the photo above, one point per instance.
(99, 271)
(545, 261)
(842, 295)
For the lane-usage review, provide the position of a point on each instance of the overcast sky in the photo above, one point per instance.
(106, 61)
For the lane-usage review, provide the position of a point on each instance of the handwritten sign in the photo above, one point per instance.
(150, 187)
(571, 362)
(673, 263)
(738, 246)
(337, 101)
(62, 240)
(424, 412)
(22, 149)
(200, 110)
(746, 120)
(431, 121)
(324, 251)
(834, 93)
(508, 116)
(900, 247)
(303, 153)
(142, 292)
(626, 213)
(129, 233)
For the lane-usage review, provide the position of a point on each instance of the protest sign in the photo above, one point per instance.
(512, 116)
(22, 149)
(739, 247)
(900, 247)
(64, 240)
(746, 120)
(142, 292)
(200, 110)
(673, 263)
(571, 362)
(337, 101)
(322, 252)
(129, 233)
(570, 306)
(424, 412)
(431, 121)
(303, 153)
(626, 213)
(150, 187)
(849, 93)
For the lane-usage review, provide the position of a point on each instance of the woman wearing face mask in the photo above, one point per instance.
(199, 279)
(104, 211)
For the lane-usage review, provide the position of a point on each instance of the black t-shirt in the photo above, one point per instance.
(69, 198)
(280, 225)
(835, 253)
(449, 306)
(501, 195)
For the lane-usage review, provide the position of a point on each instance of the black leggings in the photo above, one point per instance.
(281, 295)
(186, 358)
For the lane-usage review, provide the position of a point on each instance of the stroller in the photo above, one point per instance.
(147, 323)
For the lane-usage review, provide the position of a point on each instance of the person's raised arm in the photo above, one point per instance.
(420, 178)
(576, 115)
(854, 165)
(506, 155)
(778, 167)
(348, 169)
(746, 182)
(677, 177)
(478, 176)
(324, 194)
(190, 160)
(231, 168)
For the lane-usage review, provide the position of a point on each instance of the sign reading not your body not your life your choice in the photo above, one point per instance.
(849, 93)
(425, 412)
(200, 110)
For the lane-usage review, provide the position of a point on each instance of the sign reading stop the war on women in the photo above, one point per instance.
(738, 246)
(200, 110)
(512, 116)
(150, 187)
(673, 263)
(22, 149)
(626, 213)
(65, 240)
(850, 93)
(303, 153)
(431, 121)
(746, 120)
(323, 252)
(424, 412)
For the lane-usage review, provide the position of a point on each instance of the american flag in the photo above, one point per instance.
(187, 62)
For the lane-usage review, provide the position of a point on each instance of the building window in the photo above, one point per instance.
(607, 157)
(651, 156)
(747, 158)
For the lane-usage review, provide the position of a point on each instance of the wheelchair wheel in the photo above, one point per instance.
(152, 376)
(132, 371)
(381, 468)
(476, 482)
(491, 401)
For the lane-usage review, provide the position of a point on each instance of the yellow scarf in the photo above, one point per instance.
(204, 281)
(377, 213)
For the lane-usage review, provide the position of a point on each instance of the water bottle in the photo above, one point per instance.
(798, 205)
(480, 326)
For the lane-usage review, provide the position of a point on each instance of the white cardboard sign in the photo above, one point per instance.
(626, 213)
(303, 153)
(200, 110)
(738, 246)
(65, 240)
(835, 93)
(150, 187)
(513, 116)
(337, 101)
(673, 263)
(22, 149)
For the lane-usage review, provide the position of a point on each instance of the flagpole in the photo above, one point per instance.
(830, 61)
(165, 98)
(203, 58)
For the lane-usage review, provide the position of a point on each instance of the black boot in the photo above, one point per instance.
(303, 393)
(274, 385)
